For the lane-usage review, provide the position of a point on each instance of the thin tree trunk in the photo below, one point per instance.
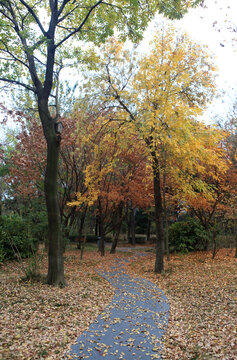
(115, 239)
(118, 228)
(159, 262)
(128, 224)
(132, 223)
(81, 226)
(235, 241)
(166, 220)
(148, 229)
(214, 252)
(101, 228)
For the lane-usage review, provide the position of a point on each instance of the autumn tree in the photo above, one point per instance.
(33, 41)
(27, 161)
(172, 86)
(229, 125)
(115, 175)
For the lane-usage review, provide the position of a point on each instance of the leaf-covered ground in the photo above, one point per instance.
(203, 304)
(40, 322)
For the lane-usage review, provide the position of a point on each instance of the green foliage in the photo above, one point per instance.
(187, 235)
(16, 239)
(36, 216)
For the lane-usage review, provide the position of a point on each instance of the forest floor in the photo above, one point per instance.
(41, 322)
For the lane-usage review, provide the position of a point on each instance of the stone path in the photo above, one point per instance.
(131, 327)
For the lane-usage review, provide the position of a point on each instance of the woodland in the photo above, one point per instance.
(117, 163)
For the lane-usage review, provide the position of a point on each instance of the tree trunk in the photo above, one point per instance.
(117, 232)
(55, 247)
(236, 244)
(214, 252)
(166, 220)
(101, 228)
(128, 218)
(81, 226)
(115, 239)
(132, 223)
(55, 252)
(148, 229)
(159, 262)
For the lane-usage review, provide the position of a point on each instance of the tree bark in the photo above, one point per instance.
(235, 241)
(159, 262)
(132, 223)
(55, 274)
(81, 226)
(101, 227)
(166, 220)
(55, 252)
(118, 227)
(128, 219)
(148, 229)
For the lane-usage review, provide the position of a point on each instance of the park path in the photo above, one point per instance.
(131, 327)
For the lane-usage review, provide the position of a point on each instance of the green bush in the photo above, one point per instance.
(187, 235)
(16, 238)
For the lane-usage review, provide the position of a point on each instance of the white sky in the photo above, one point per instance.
(210, 26)
(213, 26)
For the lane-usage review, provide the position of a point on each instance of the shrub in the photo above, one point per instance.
(187, 235)
(15, 238)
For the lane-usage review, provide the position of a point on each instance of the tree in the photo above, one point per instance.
(172, 86)
(32, 46)
(115, 175)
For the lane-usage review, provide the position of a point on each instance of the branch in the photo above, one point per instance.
(117, 97)
(15, 82)
(82, 24)
(13, 57)
(31, 11)
(70, 12)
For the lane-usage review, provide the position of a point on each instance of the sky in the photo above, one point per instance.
(216, 26)
(213, 26)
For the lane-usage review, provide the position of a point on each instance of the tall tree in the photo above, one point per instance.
(33, 36)
(172, 86)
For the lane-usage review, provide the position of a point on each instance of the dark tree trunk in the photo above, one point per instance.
(235, 242)
(214, 251)
(96, 226)
(133, 228)
(159, 263)
(101, 229)
(80, 230)
(55, 246)
(148, 229)
(115, 239)
(128, 216)
(55, 250)
(117, 230)
(166, 220)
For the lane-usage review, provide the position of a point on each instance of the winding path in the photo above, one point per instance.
(131, 327)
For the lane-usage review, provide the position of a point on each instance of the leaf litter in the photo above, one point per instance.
(41, 322)
(202, 293)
